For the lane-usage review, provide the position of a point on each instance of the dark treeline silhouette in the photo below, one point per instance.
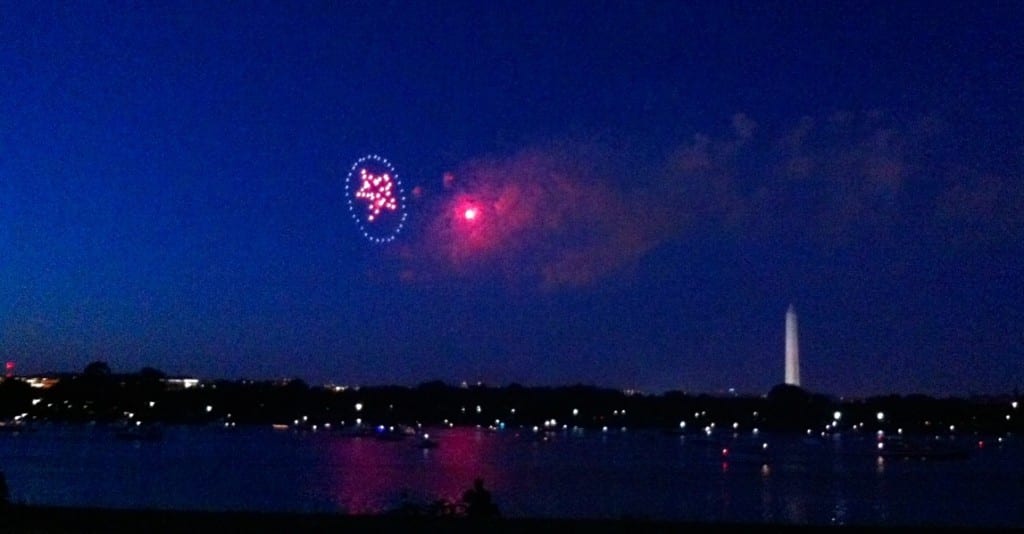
(98, 394)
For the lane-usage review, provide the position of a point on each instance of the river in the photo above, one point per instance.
(742, 478)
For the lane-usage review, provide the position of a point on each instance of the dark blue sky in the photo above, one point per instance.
(657, 182)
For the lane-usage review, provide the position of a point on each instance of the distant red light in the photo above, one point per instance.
(470, 214)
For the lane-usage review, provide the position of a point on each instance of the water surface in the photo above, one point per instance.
(643, 474)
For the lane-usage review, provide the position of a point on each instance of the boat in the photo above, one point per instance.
(354, 432)
(394, 433)
(426, 443)
(923, 451)
(140, 433)
(16, 426)
(758, 454)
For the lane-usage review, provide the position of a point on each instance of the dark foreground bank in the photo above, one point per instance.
(19, 518)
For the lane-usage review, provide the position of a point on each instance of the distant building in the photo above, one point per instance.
(40, 382)
(180, 383)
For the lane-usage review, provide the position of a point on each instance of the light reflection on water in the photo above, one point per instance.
(633, 474)
(364, 475)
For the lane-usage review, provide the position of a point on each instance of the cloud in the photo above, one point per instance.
(569, 216)
(743, 125)
(547, 217)
(847, 178)
(981, 209)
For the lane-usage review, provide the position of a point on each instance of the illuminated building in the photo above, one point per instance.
(40, 382)
(180, 383)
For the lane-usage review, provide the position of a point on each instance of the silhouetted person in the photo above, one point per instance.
(478, 501)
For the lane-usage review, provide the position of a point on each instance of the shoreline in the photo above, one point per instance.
(28, 518)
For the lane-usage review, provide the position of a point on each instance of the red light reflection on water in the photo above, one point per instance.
(368, 476)
(359, 471)
(467, 454)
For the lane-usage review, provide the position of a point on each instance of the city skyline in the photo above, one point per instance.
(626, 196)
(791, 375)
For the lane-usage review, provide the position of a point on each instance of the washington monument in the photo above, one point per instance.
(792, 349)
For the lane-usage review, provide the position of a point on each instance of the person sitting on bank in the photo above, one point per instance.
(478, 501)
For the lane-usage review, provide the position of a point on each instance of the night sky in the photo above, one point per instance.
(654, 183)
